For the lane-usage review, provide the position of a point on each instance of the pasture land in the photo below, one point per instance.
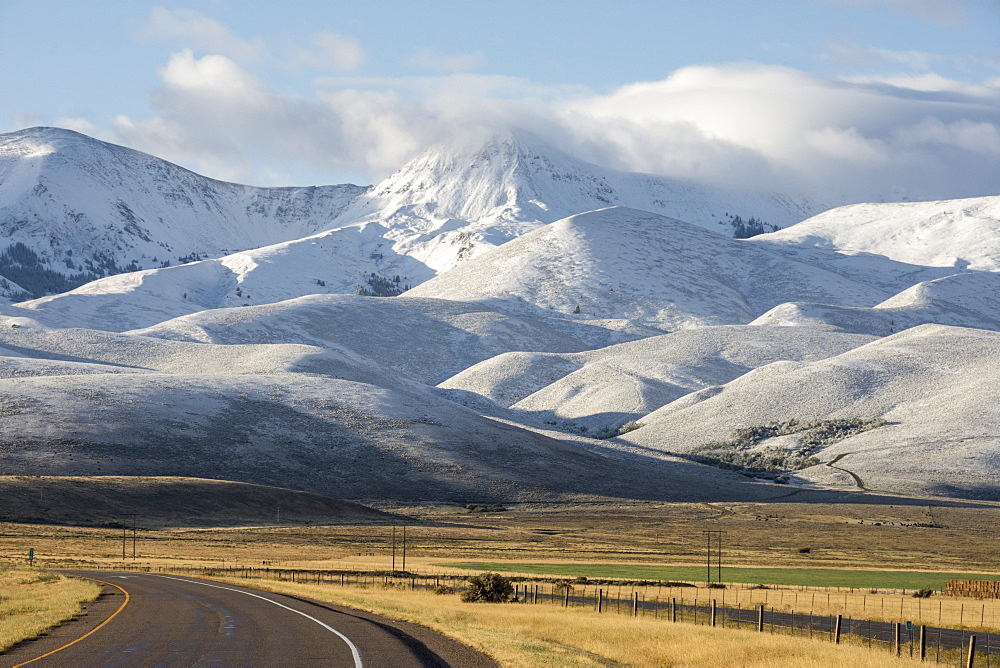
(529, 635)
(32, 602)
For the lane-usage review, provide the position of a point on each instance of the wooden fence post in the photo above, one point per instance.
(600, 600)
(836, 629)
(760, 618)
(898, 631)
(673, 609)
(972, 652)
(713, 612)
(635, 604)
(923, 642)
(566, 598)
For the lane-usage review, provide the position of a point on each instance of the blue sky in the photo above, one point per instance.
(865, 97)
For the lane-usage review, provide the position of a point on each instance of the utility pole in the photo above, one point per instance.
(393, 548)
(133, 535)
(708, 555)
(124, 537)
(404, 547)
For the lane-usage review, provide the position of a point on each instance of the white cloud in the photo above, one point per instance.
(330, 51)
(193, 30)
(434, 60)
(749, 125)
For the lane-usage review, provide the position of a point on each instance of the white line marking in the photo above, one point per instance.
(354, 650)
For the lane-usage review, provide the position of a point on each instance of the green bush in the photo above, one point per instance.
(489, 588)
(442, 590)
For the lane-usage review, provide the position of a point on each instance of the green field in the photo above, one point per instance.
(814, 577)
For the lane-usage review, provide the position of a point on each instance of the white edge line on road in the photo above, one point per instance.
(354, 650)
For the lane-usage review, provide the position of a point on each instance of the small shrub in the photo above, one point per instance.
(631, 425)
(716, 585)
(805, 550)
(489, 588)
(442, 590)
(581, 579)
(923, 593)
(476, 508)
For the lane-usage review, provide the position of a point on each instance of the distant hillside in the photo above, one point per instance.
(73, 209)
(961, 234)
(626, 265)
(935, 386)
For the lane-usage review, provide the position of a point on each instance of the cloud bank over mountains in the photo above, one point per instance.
(906, 133)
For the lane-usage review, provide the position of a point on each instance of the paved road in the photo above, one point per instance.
(160, 620)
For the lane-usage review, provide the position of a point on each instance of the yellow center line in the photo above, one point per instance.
(93, 630)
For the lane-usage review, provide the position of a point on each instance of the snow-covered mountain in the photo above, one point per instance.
(463, 197)
(542, 289)
(73, 208)
(617, 270)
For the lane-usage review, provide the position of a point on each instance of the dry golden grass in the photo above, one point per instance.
(894, 537)
(530, 635)
(32, 602)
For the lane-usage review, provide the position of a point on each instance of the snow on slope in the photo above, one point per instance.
(643, 268)
(30, 347)
(963, 300)
(937, 386)
(462, 197)
(83, 205)
(963, 233)
(601, 389)
(312, 433)
(426, 340)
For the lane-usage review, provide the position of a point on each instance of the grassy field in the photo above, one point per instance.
(32, 602)
(812, 577)
(871, 546)
(529, 636)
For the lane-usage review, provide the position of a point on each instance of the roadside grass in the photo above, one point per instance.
(813, 577)
(32, 602)
(538, 635)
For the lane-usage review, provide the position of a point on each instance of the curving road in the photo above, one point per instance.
(147, 619)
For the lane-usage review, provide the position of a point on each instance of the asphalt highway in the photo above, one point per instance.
(148, 619)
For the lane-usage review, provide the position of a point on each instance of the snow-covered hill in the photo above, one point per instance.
(84, 402)
(968, 299)
(73, 208)
(426, 340)
(647, 270)
(600, 390)
(936, 386)
(962, 233)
